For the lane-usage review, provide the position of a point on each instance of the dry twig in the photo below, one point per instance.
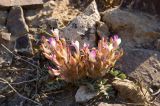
(6, 82)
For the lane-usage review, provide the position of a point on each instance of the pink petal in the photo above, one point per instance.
(76, 45)
(115, 37)
(110, 47)
(86, 45)
(118, 41)
(52, 42)
(55, 60)
(54, 72)
(92, 55)
(56, 33)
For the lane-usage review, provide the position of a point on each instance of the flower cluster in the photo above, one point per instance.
(80, 63)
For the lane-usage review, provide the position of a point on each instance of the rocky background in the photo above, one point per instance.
(135, 21)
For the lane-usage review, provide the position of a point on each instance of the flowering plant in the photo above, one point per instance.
(84, 62)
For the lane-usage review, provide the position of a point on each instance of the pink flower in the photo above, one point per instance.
(84, 62)
(92, 55)
(85, 48)
(117, 40)
(73, 61)
(55, 60)
(56, 33)
(54, 72)
(76, 45)
(110, 47)
(52, 42)
(86, 45)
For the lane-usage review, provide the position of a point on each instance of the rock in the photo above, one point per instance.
(23, 45)
(157, 101)
(84, 94)
(2, 99)
(83, 28)
(106, 104)
(59, 10)
(3, 28)
(102, 29)
(6, 36)
(36, 18)
(135, 29)
(5, 39)
(157, 44)
(31, 3)
(150, 6)
(5, 57)
(142, 65)
(52, 23)
(131, 92)
(106, 4)
(17, 25)
(3, 17)
(32, 17)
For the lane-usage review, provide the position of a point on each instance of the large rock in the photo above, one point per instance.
(83, 28)
(16, 22)
(150, 6)
(9, 3)
(135, 29)
(142, 65)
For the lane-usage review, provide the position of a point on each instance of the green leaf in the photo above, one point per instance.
(122, 76)
(114, 72)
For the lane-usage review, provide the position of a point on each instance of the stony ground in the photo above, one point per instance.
(21, 64)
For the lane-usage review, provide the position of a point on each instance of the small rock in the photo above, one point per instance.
(6, 36)
(2, 99)
(157, 44)
(102, 29)
(5, 39)
(84, 94)
(23, 45)
(157, 101)
(16, 23)
(3, 28)
(33, 31)
(52, 23)
(3, 17)
(5, 58)
(83, 27)
(131, 92)
(106, 4)
(32, 17)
